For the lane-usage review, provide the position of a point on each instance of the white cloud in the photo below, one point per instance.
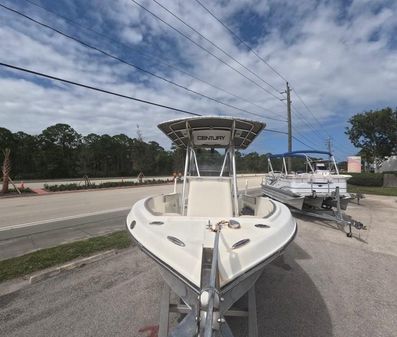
(131, 35)
(339, 67)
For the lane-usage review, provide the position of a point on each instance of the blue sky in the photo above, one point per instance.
(339, 56)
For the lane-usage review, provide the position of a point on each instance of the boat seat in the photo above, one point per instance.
(210, 197)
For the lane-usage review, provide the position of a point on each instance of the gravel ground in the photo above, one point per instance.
(325, 285)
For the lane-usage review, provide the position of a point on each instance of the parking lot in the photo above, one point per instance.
(326, 285)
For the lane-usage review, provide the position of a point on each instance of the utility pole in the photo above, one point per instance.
(139, 133)
(288, 92)
(328, 143)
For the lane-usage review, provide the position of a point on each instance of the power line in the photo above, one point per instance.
(308, 124)
(203, 48)
(276, 131)
(321, 126)
(317, 133)
(54, 78)
(223, 51)
(294, 137)
(315, 118)
(96, 89)
(300, 115)
(129, 63)
(99, 89)
(303, 143)
(335, 150)
(147, 55)
(266, 63)
(215, 45)
(246, 45)
(308, 109)
(241, 41)
(302, 135)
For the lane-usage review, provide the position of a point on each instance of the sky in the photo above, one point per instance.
(340, 58)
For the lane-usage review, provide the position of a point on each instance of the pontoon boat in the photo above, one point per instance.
(315, 187)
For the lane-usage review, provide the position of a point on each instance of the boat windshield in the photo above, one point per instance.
(204, 161)
(210, 163)
(321, 167)
(301, 165)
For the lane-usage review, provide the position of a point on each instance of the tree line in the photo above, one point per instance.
(59, 151)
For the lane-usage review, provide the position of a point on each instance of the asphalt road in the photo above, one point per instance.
(25, 211)
(327, 285)
(35, 222)
(23, 240)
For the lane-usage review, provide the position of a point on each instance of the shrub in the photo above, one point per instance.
(22, 190)
(366, 179)
(75, 187)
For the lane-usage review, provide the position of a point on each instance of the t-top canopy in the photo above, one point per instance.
(299, 153)
(212, 131)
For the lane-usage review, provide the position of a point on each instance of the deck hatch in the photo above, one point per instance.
(156, 223)
(261, 225)
(240, 243)
(176, 241)
(234, 224)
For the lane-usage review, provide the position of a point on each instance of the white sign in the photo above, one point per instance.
(211, 137)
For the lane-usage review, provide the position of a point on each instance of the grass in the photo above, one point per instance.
(32, 262)
(389, 191)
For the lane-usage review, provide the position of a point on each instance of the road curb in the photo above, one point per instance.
(69, 266)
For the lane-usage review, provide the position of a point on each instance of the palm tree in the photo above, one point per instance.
(6, 170)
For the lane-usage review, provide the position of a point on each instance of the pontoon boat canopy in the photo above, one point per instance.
(299, 154)
(212, 131)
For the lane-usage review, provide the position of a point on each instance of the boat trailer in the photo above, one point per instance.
(206, 313)
(332, 215)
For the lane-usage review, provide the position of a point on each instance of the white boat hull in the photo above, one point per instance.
(305, 184)
(153, 233)
(317, 189)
